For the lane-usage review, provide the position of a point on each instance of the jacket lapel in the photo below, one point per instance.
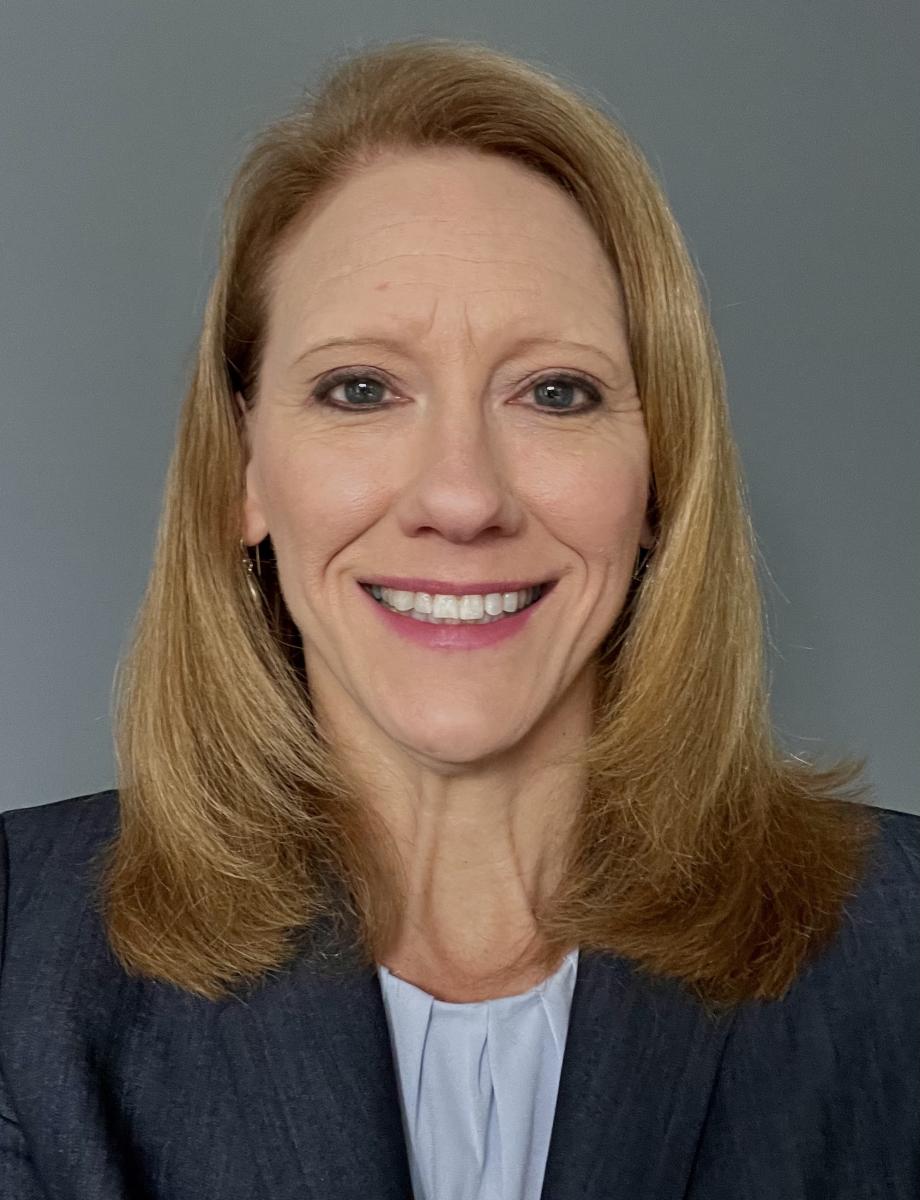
(311, 1061)
(641, 1059)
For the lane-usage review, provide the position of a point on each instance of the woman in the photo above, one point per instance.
(452, 854)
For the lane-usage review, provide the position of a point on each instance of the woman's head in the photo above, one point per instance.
(459, 202)
(335, 227)
(497, 436)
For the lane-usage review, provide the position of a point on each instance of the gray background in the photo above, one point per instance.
(785, 136)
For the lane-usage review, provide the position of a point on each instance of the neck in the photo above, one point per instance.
(480, 846)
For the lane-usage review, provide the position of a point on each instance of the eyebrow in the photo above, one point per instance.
(397, 346)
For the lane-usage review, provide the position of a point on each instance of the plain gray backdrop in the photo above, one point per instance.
(785, 135)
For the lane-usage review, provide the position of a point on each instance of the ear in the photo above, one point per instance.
(254, 525)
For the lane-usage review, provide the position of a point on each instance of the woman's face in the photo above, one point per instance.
(463, 451)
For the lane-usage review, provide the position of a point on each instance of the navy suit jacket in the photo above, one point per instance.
(121, 1088)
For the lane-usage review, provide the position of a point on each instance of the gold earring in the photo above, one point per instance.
(254, 590)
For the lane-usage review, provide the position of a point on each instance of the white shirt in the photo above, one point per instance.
(478, 1085)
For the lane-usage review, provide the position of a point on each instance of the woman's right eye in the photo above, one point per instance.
(359, 391)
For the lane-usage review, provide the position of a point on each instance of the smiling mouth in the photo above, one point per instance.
(445, 610)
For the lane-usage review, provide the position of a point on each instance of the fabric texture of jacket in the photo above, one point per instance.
(115, 1087)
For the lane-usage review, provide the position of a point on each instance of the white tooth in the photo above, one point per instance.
(445, 606)
(401, 601)
(457, 608)
(471, 607)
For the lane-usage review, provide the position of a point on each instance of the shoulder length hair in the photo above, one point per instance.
(700, 850)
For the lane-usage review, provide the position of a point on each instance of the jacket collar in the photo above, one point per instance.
(310, 1057)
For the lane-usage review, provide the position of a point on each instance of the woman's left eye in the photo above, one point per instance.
(562, 385)
(557, 389)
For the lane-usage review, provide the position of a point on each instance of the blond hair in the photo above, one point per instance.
(700, 850)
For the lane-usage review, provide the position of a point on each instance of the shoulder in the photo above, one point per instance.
(874, 955)
(78, 818)
(55, 962)
(826, 1071)
(865, 981)
(888, 894)
(897, 849)
(46, 852)
(882, 924)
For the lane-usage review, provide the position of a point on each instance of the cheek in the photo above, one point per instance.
(315, 497)
(595, 502)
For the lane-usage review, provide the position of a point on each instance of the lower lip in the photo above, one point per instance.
(454, 637)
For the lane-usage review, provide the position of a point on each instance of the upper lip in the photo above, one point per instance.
(444, 587)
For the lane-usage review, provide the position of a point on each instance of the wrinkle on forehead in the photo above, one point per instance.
(467, 239)
(457, 258)
(542, 217)
(541, 292)
(348, 262)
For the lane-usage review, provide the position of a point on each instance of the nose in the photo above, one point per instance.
(461, 482)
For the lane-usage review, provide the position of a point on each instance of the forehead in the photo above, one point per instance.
(446, 232)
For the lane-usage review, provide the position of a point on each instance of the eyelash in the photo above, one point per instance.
(325, 386)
